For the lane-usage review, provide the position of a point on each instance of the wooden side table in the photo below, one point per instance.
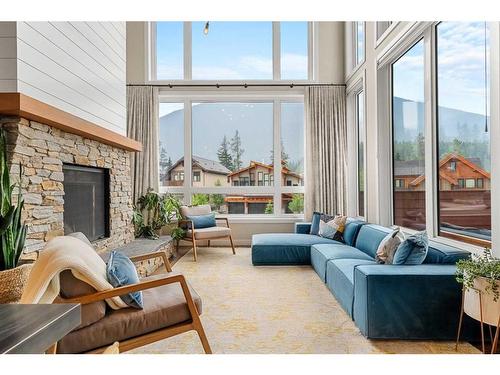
(32, 329)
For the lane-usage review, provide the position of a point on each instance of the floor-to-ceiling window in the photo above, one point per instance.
(361, 135)
(463, 137)
(408, 139)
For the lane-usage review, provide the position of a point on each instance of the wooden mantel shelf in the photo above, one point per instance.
(17, 104)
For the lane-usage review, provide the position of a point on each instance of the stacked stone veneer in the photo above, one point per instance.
(42, 150)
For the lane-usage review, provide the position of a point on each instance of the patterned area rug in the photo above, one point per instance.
(277, 310)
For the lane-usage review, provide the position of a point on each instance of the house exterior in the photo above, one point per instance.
(261, 174)
(206, 173)
(455, 173)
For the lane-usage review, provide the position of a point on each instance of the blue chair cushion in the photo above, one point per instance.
(321, 254)
(412, 250)
(351, 230)
(340, 280)
(284, 248)
(439, 253)
(203, 221)
(121, 271)
(369, 237)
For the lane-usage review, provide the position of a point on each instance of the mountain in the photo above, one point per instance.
(211, 121)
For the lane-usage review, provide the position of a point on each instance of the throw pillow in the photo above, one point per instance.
(413, 250)
(203, 221)
(387, 247)
(316, 218)
(333, 229)
(121, 271)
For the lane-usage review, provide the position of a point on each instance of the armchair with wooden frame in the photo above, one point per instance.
(171, 307)
(194, 234)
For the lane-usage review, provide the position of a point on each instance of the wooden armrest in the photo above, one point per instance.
(115, 292)
(157, 254)
(223, 219)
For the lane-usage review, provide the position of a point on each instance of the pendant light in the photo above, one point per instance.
(205, 29)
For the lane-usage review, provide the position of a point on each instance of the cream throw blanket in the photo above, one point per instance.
(63, 253)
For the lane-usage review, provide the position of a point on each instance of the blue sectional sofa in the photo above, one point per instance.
(385, 301)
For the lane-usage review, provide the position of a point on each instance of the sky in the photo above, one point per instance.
(232, 50)
(460, 63)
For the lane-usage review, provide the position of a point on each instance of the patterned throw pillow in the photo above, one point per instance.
(316, 218)
(333, 229)
(388, 246)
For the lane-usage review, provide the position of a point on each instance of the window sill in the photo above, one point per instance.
(261, 219)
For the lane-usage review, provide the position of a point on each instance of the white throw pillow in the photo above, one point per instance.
(388, 246)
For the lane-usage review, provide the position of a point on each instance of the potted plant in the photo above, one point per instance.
(153, 211)
(12, 234)
(480, 276)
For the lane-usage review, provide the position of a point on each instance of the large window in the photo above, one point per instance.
(408, 142)
(360, 122)
(230, 51)
(233, 151)
(463, 143)
(359, 43)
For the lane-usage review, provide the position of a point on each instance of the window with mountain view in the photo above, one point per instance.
(171, 146)
(463, 130)
(230, 51)
(233, 156)
(408, 146)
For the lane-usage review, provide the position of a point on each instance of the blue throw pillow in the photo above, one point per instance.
(413, 250)
(120, 272)
(203, 221)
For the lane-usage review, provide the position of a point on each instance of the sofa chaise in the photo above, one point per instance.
(385, 301)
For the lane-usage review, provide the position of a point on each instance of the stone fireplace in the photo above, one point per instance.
(42, 151)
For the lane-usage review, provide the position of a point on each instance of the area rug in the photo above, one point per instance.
(280, 310)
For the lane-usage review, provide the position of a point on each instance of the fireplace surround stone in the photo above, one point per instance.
(41, 150)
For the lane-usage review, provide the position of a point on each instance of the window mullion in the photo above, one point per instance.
(276, 51)
(188, 51)
(187, 150)
(277, 156)
(431, 200)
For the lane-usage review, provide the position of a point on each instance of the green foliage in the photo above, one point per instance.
(224, 154)
(296, 205)
(12, 228)
(199, 199)
(178, 233)
(269, 208)
(153, 211)
(236, 151)
(484, 265)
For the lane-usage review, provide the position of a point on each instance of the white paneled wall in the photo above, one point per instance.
(78, 67)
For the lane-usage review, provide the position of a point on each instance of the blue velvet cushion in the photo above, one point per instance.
(120, 272)
(316, 217)
(413, 250)
(203, 221)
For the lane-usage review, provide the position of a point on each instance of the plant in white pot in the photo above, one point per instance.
(480, 276)
(12, 234)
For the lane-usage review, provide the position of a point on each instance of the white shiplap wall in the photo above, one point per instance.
(78, 67)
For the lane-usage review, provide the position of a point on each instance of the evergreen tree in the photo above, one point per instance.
(224, 154)
(236, 151)
(165, 162)
(285, 158)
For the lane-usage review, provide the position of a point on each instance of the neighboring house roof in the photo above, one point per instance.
(414, 168)
(206, 165)
(269, 167)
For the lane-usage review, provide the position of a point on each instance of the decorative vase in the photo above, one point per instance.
(473, 302)
(12, 282)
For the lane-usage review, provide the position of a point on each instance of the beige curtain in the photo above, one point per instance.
(326, 150)
(142, 125)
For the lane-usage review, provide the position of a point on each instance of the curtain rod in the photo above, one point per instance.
(245, 85)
